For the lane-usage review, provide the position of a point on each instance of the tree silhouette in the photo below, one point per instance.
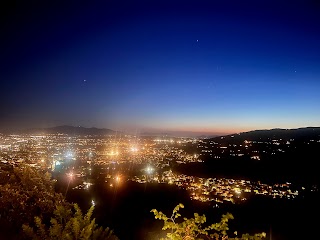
(28, 200)
(26, 192)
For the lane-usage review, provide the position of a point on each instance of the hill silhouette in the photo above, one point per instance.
(306, 133)
(293, 156)
(65, 129)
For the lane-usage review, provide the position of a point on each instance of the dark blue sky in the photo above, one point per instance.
(204, 66)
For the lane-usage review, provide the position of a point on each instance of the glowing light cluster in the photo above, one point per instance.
(118, 179)
(134, 149)
(70, 175)
(149, 170)
(113, 153)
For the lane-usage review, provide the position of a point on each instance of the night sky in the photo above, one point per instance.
(215, 66)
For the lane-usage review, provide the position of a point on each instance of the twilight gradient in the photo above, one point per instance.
(201, 66)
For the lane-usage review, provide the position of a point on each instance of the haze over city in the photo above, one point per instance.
(206, 67)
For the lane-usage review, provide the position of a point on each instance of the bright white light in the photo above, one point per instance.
(149, 170)
(58, 163)
(93, 202)
(237, 191)
(134, 149)
(87, 185)
(69, 154)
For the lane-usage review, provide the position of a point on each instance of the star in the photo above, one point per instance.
(84, 80)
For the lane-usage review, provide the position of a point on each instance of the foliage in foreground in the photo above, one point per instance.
(193, 229)
(26, 192)
(68, 225)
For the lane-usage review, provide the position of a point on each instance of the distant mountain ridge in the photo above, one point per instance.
(283, 155)
(255, 135)
(277, 133)
(65, 129)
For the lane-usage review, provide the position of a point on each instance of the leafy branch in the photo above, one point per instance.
(68, 225)
(194, 229)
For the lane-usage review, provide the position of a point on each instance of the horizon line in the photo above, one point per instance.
(157, 132)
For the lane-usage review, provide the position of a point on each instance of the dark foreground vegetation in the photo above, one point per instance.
(31, 209)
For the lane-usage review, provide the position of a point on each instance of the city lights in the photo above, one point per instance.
(113, 153)
(134, 149)
(87, 185)
(157, 155)
(69, 154)
(149, 170)
(70, 175)
(221, 190)
(118, 179)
